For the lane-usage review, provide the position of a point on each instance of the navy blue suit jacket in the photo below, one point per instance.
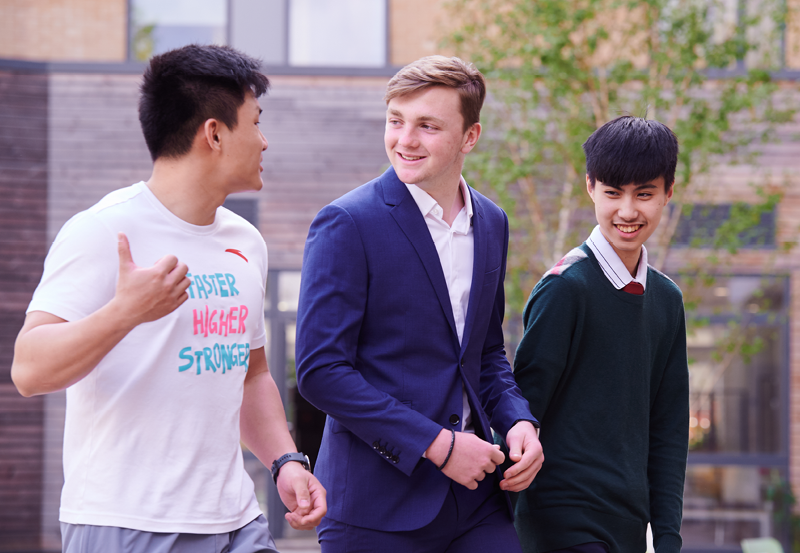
(377, 350)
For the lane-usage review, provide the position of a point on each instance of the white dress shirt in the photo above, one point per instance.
(613, 267)
(455, 246)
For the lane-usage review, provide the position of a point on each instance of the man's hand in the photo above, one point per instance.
(303, 495)
(471, 460)
(73, 349)
(525, 451)
(147, 294)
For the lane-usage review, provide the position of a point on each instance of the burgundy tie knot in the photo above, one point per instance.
(634, 288)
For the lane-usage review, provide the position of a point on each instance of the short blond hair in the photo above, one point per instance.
(452, 72)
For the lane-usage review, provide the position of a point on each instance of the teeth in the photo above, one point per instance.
(628, 228)
(410, 158)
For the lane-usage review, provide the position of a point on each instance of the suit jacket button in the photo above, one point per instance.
(454, 420)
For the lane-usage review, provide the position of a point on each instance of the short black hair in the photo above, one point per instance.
(631, 150)
(184, 87)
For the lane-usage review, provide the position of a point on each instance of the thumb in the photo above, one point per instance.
(124, 250)
(302, 495)
(514, 448)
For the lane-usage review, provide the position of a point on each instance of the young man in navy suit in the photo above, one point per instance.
(400, 340)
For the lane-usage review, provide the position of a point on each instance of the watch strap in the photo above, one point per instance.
(283, 459)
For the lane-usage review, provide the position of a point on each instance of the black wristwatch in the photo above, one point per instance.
(283, 459)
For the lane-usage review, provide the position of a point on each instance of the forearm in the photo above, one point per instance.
(263, 424)
(51, 354)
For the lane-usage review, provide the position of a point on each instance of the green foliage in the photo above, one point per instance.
(559, 69)
(142, 43)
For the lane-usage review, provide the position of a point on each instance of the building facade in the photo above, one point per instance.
(69, 134)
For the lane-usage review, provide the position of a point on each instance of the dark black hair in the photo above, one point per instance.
(183, 88)
(631, 150)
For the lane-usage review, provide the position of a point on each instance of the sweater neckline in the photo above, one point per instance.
(608, 287)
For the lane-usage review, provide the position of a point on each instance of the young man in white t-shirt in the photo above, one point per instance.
(149, 312)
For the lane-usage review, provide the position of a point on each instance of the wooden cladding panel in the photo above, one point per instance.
(324, 140)
(23, 245)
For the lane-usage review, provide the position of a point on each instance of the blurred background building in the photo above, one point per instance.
(69, 134)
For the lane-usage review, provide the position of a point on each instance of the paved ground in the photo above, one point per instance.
(295, 541)
(298, 545)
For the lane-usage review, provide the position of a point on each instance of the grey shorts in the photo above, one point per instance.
(83, 538)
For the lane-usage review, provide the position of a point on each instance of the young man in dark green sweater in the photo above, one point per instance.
(603, 365)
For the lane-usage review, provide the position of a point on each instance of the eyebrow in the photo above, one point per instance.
(422, 118)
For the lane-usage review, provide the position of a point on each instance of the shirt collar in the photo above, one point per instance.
(612, 265)
(426, 203)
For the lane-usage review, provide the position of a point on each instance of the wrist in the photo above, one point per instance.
(438, 449)
(292, 458)
(117, 317)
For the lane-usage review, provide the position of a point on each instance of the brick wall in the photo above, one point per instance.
(63, 30)
(416, 29)
(23, 216)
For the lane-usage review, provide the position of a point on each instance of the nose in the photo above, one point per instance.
(408, 137)
(264, 143)
(627, 208)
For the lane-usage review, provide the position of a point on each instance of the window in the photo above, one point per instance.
(246, 208)
(710, 225)
(297, 33)
(723, 505)
(157, 26)
(305, 421)
(337, 33)
(736, 483)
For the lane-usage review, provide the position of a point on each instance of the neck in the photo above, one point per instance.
(184, 186)
(449, 197)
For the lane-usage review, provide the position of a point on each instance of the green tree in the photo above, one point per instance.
(559, 69)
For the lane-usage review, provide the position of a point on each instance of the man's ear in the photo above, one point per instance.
(211, 135)
(471, 138)
(589, 187)
(669, 192)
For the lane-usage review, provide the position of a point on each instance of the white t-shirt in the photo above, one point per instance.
(151, 440)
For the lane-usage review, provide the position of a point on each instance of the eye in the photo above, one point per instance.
(645, 195)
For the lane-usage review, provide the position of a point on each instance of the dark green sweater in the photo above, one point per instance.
(606, 375)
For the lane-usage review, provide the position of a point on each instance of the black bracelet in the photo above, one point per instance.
(449, 453)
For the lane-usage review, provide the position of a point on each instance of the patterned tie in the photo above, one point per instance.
(633, 288)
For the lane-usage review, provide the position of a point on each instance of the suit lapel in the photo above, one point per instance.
(478, 269)
(410, 220)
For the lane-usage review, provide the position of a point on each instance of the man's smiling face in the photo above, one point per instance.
(628, 216)
(425, 137)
